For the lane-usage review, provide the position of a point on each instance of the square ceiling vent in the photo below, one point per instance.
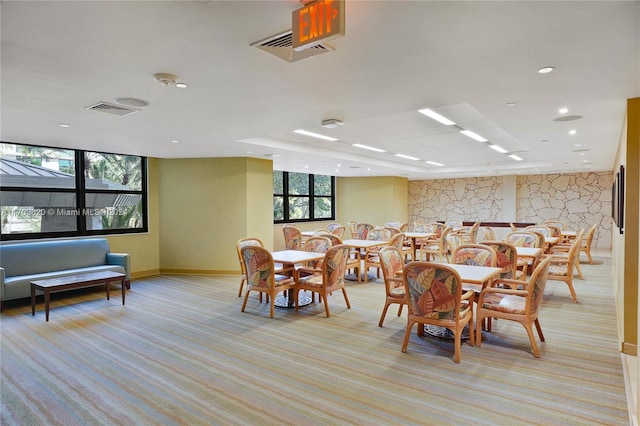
(281, 45)
(112, 109)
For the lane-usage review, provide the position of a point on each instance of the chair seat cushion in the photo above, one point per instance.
(312, 280)
(282, 280)
(558, 270)
(397, 292)
(504, 303)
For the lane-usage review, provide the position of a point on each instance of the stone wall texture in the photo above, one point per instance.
(580, 200)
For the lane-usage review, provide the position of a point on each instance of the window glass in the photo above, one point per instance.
(304, 197)
(39, 197)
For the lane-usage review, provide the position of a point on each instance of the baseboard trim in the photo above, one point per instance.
(149, 273)
(198, 272)
(630, 348)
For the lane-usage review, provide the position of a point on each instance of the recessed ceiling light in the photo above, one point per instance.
(473, 135)
(434, 115)
(433, 163)
(563, 110)
(498, 148)
(64, 125)
(515, 157)
(510, 104)
(573, 131)
(314, 135)
(546, 70)
(132, 102)
(408, 157)
(174, 141)
(339, 165)
(577, 144)
(370, 148)
(181, 85)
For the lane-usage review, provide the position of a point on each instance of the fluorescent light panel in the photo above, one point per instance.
(515, 157)
(498, 148)
(408, 157)
(370, 148)
(314, 135)
(434, 115)
(473, 135)
(433, 163)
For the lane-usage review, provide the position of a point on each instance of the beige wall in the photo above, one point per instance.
(206, 205)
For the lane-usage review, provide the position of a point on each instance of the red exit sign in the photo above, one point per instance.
(317, 21)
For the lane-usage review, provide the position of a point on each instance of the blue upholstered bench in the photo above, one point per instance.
(21, 263)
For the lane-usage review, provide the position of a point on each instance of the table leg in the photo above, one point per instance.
(46, 303)
(123, 288)
(108, 284)
(33, 300)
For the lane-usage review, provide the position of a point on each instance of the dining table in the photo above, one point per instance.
(359, 246)
(289, 259)
(526, 254)
(413, 236)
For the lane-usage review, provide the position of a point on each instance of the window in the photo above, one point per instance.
(300, 197)
(53, 192)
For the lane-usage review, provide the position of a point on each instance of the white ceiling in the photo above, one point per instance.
(465, 60)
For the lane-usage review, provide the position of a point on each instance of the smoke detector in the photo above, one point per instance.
(332, 123)
(165, 79)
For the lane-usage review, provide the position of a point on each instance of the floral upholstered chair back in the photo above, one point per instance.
(353, 228)
(362, 230)
(246, 242)
(433, 290)
(338, 231)
(393, 224)
(292, 237)
(335, 240)
(397, 241)
(378, 234)
(474, 255)
(391, 263)
(453, 241)
(332, 226)
(506, 257)
(439, 228)
(317, 244)
(523, 239)
(557, 223)
(556, 231)
(260, 268)
(539, 281)
(454, 224)
(544, 230)
(335, 266)
(423, 227)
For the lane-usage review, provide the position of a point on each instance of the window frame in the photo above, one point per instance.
(81, 192)
(285, 195)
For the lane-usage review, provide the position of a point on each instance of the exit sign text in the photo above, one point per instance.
(317, 21)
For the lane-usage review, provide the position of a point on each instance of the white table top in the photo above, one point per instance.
(551, 240)
(532, 252)
(364, 243)
(295, 256)
(569, 233)
(419, 234)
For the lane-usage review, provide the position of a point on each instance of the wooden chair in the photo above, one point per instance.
(250, 241)
(371, 254)
(562, 250)
(469, 235)
(353, 229)
(292, 237)
(434, 296)
(261, 276)
(454, 224)
(557, 223)
(392, 262)
(326, 280)
(525, 239)
(474, 255)
(561, 268)
(585, 244)
(544, 230)
(362, 230)
(330, 227)
(507, 259)
(515, 305)
(486, 234)
(437, 247)
(339, 231)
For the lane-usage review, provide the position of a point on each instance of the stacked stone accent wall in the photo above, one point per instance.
(580, 200)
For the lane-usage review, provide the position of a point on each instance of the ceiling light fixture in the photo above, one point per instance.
(498, 148)
(434, 115)
(546, 70)
(165, 79)
(332, 123)
(370, 148)
(473, 135)
(64, 125)
(563, 110)
(515, 157)
(314, 135)
(181, 85)
(433, 163)
(408, 157)
(573, 131)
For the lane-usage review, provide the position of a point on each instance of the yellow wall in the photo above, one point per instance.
(374, 200)
(206, 205)
(143, 248)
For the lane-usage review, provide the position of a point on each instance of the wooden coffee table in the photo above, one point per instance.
(54, 285)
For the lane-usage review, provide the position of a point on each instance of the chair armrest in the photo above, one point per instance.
(121, 259)
(468, 295)
(505, 291)
(508, 282)
(310, 271)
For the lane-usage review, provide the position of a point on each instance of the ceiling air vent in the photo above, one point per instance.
(112, 109)
(281, 45)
